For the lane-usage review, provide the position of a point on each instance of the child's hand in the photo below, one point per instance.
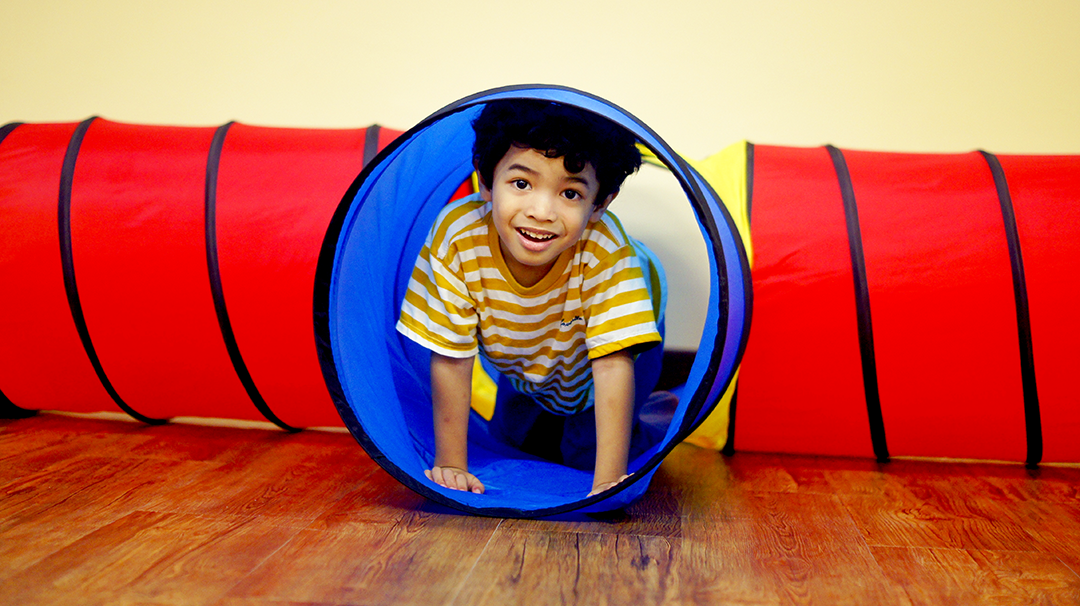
(455, 478)
(601, 487)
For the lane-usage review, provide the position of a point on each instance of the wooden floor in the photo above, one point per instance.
(97, 511)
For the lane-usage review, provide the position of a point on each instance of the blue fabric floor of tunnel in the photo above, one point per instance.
(506, 470)
(509, 472)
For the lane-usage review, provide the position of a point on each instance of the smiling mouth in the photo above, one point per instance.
(535, 236)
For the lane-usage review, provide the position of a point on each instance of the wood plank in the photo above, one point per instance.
(939, 513)
(280, 475)
(1045, 483)
(1055, 528)
(780, 549)
(776, 473)
(48, 512)
(96, 511)
(654, 514)
(523, 567)
(421, 559)
(86, 481)
(809, 550)
(372, 497)
(224, 445)
(151, 558)
(41, 444)
(934, 576)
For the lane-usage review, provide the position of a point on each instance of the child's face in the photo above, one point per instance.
(539, 210)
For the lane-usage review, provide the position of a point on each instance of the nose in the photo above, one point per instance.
(541, 207)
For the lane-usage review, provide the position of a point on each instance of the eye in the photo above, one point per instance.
(520, 184)
(571, 194)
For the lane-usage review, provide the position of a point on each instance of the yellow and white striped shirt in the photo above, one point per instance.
(592, 303)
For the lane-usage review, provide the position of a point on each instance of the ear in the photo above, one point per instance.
(599, 210)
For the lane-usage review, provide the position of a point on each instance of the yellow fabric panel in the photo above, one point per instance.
(713, 431)
(726, 173)
(483, 391)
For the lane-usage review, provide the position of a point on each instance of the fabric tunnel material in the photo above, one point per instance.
(168, 271)
(379, 380)
(911, 305)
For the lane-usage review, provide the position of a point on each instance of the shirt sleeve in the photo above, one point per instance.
(619, 310)
(438, 312)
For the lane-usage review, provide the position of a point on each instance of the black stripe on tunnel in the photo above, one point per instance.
(8, 409)
(371, 143)
(1032, 414)
(862, 306)
(213, 161)
(67, 260)
(6, 129)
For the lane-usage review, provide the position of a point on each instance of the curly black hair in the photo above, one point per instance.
(576, 135)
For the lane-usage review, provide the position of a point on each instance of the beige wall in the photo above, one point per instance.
(904, 75)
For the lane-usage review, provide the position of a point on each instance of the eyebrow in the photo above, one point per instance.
(526, 169)
(522, 168)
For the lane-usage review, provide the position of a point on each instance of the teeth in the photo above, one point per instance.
(535, 236)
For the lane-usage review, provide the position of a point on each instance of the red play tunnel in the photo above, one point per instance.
(168, 271)
(904, 304)
(913, 304)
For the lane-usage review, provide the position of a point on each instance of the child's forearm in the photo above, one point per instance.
(613, 377)
(451, 393)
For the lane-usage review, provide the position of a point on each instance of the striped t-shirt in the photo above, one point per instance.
(462, 300)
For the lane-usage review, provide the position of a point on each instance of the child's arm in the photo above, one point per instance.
(613, 377)
(451, 393)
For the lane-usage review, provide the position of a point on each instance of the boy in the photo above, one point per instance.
(534, 274)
